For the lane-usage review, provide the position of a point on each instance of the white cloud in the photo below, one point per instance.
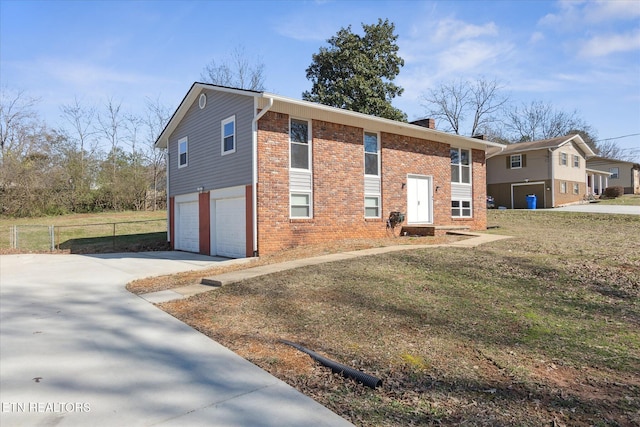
(603, 45)
(470, 56)
(299, 29)
(574, 13)
(453, 30)
(607, 10)
(85, 74)
(536, 37)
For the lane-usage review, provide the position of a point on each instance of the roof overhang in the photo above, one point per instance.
(295, 107)
(577, 139)
(598, 172)
(187, 102)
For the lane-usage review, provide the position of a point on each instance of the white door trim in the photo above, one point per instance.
(422, 216)
(544, 193)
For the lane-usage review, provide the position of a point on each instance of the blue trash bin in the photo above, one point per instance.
(531, 201)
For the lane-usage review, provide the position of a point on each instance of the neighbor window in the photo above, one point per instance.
(461, 208)
(182, 152)
(460, 165)
(372, 207)
(563, 187)
(563, 159)
(229, 135)
(371, 156)
(299, 136)
(576, 161)
(300, 205)
(516, 161)
(576, 188)
(615, 173)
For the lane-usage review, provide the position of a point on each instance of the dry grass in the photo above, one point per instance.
(191, 277)
(542, 329)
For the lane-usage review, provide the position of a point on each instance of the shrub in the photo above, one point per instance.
(613, 192)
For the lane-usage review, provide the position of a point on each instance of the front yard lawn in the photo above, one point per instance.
(540, 329)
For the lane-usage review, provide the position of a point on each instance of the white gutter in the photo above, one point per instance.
(254, 183)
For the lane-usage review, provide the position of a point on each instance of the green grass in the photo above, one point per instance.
(102, 232)
(627, 200)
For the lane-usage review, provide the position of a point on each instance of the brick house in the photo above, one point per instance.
(554, 170)
(252, 173)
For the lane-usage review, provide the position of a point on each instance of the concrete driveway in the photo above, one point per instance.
(77, 349)
(598, 208)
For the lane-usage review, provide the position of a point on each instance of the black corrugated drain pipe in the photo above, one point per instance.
(338, 368)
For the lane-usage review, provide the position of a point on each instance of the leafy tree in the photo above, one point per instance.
(356, 72)
(455, 102)
(236, 71)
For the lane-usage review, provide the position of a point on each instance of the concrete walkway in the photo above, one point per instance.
(212, 282)
(77, 349)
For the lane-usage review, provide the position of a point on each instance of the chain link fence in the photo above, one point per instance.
(127, 236)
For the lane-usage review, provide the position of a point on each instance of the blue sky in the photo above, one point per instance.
(577, 55)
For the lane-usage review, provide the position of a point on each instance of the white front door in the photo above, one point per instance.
(419, 207)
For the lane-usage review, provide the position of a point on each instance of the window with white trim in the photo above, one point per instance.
(615, 173)
(563, 159)
(228, 137)
(461, 208)
(516, 161)
(183, 150)
(299, 137)
(576, 188)
(563, 186)
(460, 165)
(576, 161)
(372, 207)
(371, 154)
(300, 205)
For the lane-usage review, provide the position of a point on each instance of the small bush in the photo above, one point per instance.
(613, 192)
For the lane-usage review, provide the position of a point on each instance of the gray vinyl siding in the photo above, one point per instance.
(207, 167)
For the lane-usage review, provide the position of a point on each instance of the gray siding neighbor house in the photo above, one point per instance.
(554, 170)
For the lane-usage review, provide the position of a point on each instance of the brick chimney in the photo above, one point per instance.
(426, 123)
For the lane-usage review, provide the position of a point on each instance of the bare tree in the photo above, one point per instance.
(609, 149)
(540, 120)
(110, 124)
(16, 115)
(157, 116)
(82, 122)
(455, 101)
(235, 71)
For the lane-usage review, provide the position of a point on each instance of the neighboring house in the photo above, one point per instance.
(554, 170)
(253, 173)
(622, 174)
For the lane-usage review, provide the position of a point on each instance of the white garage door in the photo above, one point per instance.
(230, 230)
(187, 224)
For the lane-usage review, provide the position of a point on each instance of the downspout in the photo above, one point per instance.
(166, 163)
(553, 182)
(254, 183)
